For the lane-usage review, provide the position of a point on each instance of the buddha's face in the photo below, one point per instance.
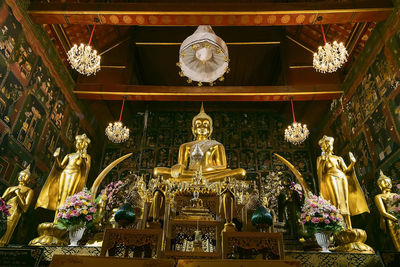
(23, 177)
(202, 127)
(327, 145)
(385, 183)
(81, 144)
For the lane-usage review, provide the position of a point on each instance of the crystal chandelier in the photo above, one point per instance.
(83, 59)
(117, 132)
(297, 132)
(329, 57)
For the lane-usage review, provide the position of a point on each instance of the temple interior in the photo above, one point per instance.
(191, 133)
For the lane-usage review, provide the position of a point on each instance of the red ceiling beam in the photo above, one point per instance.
(224, 14)
(207, 93)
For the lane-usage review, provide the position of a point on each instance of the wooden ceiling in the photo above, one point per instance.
(270, 45)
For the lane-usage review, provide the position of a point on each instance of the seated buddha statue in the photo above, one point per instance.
(204, 152)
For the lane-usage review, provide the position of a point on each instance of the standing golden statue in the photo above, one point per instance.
(388, 221)
(67, 177)
(20, 198)
(204, 152)
(157, 207)
(228, 204)
(338, 182)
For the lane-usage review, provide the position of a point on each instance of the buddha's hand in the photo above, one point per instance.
(57, 152)
(352, 158)
(176, 170)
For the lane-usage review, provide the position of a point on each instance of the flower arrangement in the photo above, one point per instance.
(4, 208)
(394, 207)
(318, 215)
(76, 212)
(111, 191)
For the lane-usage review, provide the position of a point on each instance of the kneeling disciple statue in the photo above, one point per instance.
(382, 201)
(19, 198)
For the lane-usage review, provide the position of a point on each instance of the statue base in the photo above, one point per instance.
(49, 235)
(352, 240)
(229, 227)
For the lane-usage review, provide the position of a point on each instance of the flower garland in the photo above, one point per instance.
(394, 207)
(319, 215)
(76, 212)
(4, 208)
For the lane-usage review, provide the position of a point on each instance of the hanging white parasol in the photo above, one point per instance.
(203, 56)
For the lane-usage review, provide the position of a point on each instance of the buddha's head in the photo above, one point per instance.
(326, 144)
(24, 176)
(202, 125)
(81, 142)
(384, 182)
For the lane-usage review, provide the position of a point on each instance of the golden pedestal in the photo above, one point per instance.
(49, 235)
(352, 240)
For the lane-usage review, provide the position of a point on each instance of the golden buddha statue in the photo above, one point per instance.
(204, 152)
(67, 177)
(338, 182)
(20, 198)
(388, 221)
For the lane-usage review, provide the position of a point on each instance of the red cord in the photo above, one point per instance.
(122, 109)
(323, 34)
(91, 35)
(294, 119)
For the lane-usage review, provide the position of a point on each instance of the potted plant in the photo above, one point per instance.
(322, 219)
(4, 213)
(75, 215)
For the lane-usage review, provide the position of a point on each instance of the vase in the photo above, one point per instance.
(3, 224)
(323, 240)
(261, 218)
(75, 235)
(125, 215)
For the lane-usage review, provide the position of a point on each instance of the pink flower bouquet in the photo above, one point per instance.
(76, 212)
(4, 208)
(318, 215)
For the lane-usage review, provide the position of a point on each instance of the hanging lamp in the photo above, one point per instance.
(83, 58)
(329, 57)
(117, 132)
(296, 133)
(203, 57)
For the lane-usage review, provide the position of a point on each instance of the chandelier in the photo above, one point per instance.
(83, 59)
(117, 132)
(329, 57)
(296, 133)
